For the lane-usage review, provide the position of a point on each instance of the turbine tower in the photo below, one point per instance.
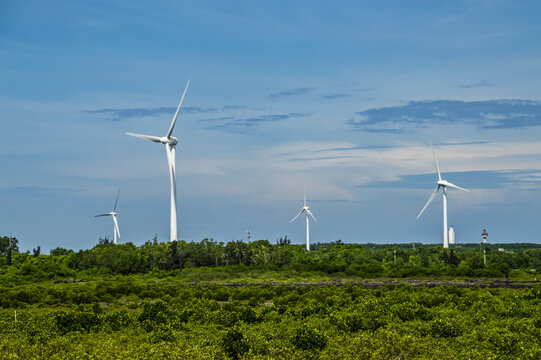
(170, 142)
(305, 209)
(443, 184)
(116, 232)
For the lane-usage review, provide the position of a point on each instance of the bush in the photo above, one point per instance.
(234, 343)
(161, 333)
(444, 328)
(309, 339)
(154, 314)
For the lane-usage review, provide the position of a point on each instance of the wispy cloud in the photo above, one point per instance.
(236, 124)
(334, 96)
(292, 92)
(481, 83)
(123, 114)
(487, 179)
(491, 114)
(38, 191)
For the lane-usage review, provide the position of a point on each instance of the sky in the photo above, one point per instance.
(343, 97)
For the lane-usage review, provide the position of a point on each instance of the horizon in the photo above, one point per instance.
(341, 98)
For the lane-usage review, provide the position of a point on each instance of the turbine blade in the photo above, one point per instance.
(429, 200)
(176, 113)
(304, 195)
(116, 201)
(436, 161)
(116, 226)
(310, 213)
(103, 215)
(457, 187)
(146, 137)
(299, 214)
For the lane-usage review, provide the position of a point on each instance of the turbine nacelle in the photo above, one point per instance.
(169, 140)
(443, 183)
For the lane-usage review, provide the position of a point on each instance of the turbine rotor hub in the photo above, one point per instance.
(169, 140)
(443, 183)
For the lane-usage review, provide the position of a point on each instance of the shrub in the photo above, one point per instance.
(444, 328)
(234, 343)
(161, 333)
(309, 339)
(154, 314)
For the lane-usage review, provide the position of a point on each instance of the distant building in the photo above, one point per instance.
(451, 235)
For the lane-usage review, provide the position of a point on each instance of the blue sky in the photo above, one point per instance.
(343, 96)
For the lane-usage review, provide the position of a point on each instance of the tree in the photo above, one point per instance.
(283, 241)
(174, 262)
(60, 251)
(37, 251)
(7, 243)
(9, 246)
(104, 241)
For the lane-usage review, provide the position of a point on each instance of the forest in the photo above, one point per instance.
(263, 300)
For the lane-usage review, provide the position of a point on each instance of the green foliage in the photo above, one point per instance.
(211, 300)
(209, 260)
(444, 328)
(328, 322)
(234, 343)
(83, 318)
(309, 339)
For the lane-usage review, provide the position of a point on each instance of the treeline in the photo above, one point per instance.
(336, 259)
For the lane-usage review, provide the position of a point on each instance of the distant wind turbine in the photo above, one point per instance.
(116, 232)
(305, 209)
(170, 143)
(443, 184)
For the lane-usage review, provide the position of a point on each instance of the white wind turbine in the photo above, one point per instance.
(170, 143)
(443, 184)
(305, 209)
(116, 232)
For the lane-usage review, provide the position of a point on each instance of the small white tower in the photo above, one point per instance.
(485, 236)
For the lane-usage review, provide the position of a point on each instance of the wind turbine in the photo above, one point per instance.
(443, 184)
(305, 209)
(170, 143)
(115, 222)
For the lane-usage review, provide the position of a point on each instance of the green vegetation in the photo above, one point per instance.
(259, 300)
(121, 319)
(260, 260)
